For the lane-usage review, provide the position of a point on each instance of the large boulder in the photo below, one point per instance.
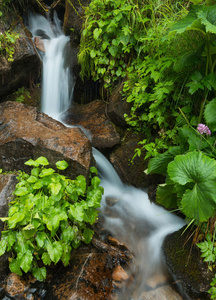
(186, 266)
(97, 271)
(131, 171)
(25, 67)
(27, 133)
(92, 117)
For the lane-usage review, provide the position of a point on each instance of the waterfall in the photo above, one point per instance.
(57, 82)
(131, 218)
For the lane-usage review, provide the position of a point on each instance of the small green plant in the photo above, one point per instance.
(7, 44)
(49, 216)
(21, 94)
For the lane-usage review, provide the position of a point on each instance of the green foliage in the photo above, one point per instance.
(7, 44)
(49, 216)
(21, 94)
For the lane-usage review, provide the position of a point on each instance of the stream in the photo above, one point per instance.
(132, 218)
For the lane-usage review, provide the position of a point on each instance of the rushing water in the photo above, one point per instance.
(132, 219)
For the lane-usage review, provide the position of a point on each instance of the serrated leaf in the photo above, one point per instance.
(14, 266)
(198, 170)
(39, 273)
(35, 172)
(55, 188)
(25, 260)
(62, 165)
(46, 259)
(67, 234)
(77, 212)
(40, 238)
(55, 251)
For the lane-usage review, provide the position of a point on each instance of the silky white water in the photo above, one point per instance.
(57, 82)
(132, 219)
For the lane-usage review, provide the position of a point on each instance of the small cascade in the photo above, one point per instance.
(131, 217)
(57, 82)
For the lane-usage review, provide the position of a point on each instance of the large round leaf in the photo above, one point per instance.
(198, 202)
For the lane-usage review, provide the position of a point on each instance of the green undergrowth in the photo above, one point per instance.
(49, 216)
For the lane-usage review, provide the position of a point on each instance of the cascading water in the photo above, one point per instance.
(57, 82)
(141, 225)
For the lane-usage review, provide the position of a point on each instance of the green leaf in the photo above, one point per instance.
(166, 196)
(46, 172)
(190, 22)
(96, 33)
(42, 161)
(25, 260)
(94, 170)
(77, 212)
(55, 251)
(14, 266)
(3, 245)
(207, 18)
(46, 259)
(21, 191)
(209, 114)
(55, 188)
(66, 254)
(67, 234)
(87, 235)
(32, 179)
(40, 239)
(62, 165)
(31, 162)
(16, 218)
(159, 163)
(198, 202)
(39, 273)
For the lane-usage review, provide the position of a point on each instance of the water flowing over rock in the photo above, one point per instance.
(93, 118)
(27, 133)
(25, 67)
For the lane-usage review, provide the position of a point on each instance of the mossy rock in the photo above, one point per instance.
(185, 265)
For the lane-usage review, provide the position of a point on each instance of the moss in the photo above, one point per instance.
(186, 266)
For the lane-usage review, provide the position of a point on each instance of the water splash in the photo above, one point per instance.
(135, 221)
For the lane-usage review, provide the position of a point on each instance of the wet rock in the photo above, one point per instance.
(117, 107)
(26, 133)
(39, 44)
(7, 186)
(119, 274)
(24, 69)
(92, 117)
(130, 173)
(185, 265)
(15, 285)
(162, 293)
(73, 18)
(89, 275)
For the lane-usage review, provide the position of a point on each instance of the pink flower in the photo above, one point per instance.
(203, 129)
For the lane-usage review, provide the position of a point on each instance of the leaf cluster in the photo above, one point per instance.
(49, 217)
